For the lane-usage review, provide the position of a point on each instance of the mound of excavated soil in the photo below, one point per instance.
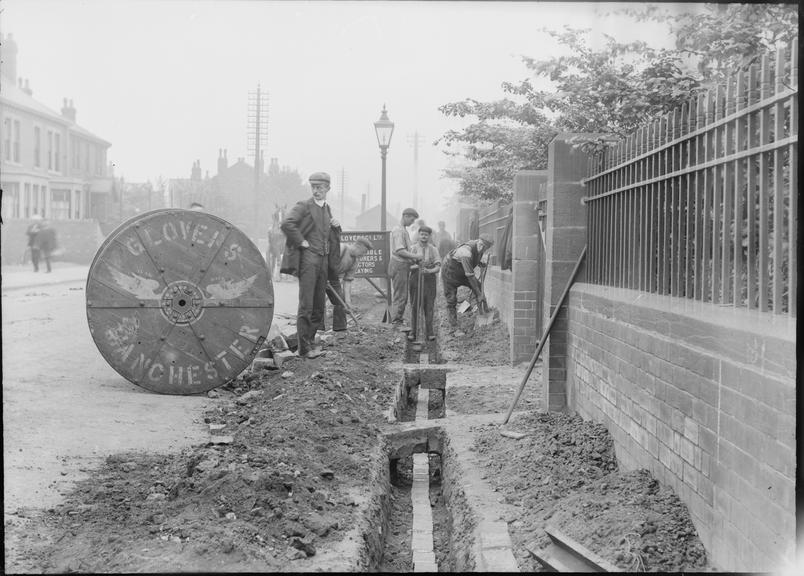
(563, 473)
(288, 460)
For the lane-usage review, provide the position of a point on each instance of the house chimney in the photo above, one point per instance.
(196, 173)
(363, 204)
(67, 109)
(9, 68)
(273, 167)
(27, 88)
(222, 162)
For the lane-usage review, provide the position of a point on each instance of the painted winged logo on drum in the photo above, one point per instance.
(229, 289)
(138, 285)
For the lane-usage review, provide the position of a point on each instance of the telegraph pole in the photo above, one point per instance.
(343, 190)
(257, 138)
(415, 139)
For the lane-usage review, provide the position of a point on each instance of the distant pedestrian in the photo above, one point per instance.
(428, 266)
(33, 244)
(443, 239)
(308, 226)
(341, 278)
(46, 240)
(399, 267)
(458, 269)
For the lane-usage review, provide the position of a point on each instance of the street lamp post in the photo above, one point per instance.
(384, 129)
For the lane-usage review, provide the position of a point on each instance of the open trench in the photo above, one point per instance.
(421, 521)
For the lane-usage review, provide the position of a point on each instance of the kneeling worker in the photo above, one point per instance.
(345, 271)
(458, 269)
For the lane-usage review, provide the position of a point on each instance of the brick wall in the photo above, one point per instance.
(705, 398)
(498, 289)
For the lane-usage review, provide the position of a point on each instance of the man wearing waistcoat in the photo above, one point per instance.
(458, 269)
(309, 226)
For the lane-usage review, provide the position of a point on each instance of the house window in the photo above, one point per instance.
(36, 202)
(58, 152)
(78, 204)
(37, 147)
(26, 205)
(11, 201)
(7, 138)
(74, 150)
(16, 143)
(98, 160)
(86, 156)
(60, 205)
(50, 149)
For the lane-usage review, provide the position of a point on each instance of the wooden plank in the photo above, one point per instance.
(739, 196)
(727, 218)
(752, 263)
(793, 185)
(778, 192)
(590, 558)
(764, 232)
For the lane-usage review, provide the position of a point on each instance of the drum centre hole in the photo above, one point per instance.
(182, 302)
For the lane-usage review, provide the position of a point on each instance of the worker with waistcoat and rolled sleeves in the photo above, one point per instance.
(458, 269)
(309, 227)
(399, 267)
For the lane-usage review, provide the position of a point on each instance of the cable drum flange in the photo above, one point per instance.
(179, 301)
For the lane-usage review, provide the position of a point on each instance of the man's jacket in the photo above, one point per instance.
(306, 221)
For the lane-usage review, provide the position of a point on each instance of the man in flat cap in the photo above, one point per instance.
(458, 269)
(399, 267)
(428, 267)
(311, 229)
(341, 278)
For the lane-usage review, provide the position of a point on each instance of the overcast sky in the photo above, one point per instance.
(167, 82)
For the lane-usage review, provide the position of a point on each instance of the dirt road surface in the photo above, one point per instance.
(65, 408)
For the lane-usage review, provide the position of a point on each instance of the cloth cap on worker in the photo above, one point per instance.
(410, 212)
(425, 229)
(319, 177)
(365, 242)
(486, 238)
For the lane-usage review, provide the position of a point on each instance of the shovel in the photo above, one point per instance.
(485, 316)
(417, 343)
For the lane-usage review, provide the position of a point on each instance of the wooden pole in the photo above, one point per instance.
(545, 334)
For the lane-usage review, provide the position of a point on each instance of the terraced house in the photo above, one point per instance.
(49, 165)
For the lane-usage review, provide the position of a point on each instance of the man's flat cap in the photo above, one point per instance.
(487, 238)
(319, 177)
(425, 229)
(365, 242)
(410, 212)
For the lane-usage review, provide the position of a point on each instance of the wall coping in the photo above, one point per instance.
(741, 319)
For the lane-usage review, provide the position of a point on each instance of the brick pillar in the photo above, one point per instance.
(565, 239)
(527, 266)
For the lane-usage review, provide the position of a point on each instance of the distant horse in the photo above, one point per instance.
(276, 245)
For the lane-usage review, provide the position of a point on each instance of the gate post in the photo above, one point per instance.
(527, 265)
(565, 238)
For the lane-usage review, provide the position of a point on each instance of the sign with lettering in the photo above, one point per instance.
(179, 302)
(375, 263)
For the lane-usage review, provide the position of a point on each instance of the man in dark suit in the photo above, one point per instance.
(310, 229)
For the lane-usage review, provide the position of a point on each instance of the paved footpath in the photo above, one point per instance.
(17, 277)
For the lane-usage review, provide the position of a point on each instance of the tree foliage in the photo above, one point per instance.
(606, 88)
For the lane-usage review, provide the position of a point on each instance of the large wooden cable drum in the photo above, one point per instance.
(179, 301)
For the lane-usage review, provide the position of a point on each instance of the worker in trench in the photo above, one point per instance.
(428, 266)
(458, 269)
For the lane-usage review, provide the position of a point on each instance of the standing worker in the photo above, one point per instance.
(46, 241)
(443, 239)
(399, 267)
(428, 267)
(308, 228)
(458, 269)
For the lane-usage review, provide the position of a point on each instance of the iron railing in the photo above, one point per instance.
(702, 203)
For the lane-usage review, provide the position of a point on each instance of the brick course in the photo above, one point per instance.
(686, 392)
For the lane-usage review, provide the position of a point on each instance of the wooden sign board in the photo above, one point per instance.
(375, 263)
